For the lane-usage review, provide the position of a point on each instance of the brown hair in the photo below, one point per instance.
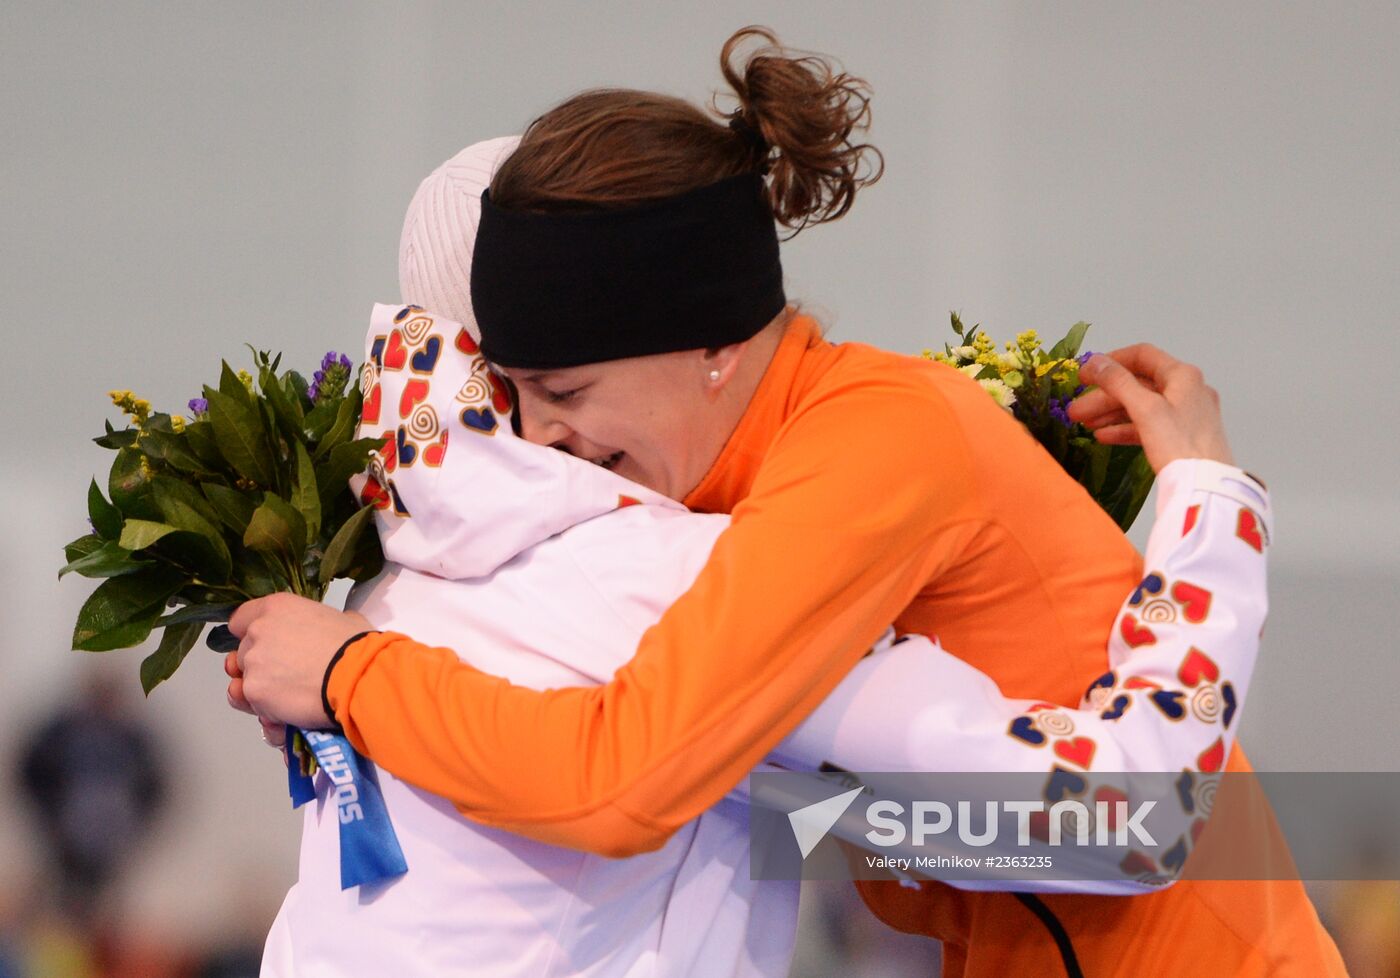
(619, 147)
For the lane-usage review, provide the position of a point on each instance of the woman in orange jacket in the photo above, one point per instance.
(628, 246)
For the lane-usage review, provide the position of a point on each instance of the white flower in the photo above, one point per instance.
(965, 352)
(971, 369)
(1002, 394)
(1010, 361)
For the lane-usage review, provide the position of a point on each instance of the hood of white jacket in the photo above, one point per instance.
(457, 493)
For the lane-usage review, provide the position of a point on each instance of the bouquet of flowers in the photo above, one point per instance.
(1036, 386)
(247, 496)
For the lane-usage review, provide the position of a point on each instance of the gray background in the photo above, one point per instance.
(1220, 179)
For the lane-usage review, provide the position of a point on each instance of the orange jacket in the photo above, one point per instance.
(865, 488)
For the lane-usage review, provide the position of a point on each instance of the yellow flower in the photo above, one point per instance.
(1027, 342)
(247, 379)
(983, 343)
(138, 408)
(177, 423)
(941, 357)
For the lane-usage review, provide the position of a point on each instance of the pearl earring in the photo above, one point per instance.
(714, 376)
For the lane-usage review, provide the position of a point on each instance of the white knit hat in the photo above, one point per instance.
(439, 232)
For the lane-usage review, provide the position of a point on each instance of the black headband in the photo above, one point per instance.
(687, 272)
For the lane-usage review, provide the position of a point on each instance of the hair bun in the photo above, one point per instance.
(803, 112)
(747, 131)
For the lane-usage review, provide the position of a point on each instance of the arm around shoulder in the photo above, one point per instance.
(863, 497)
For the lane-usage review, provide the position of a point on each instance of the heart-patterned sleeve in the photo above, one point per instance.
(1182, 652)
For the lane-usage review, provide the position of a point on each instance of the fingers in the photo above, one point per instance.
(236, 699)
(1093, 406)
(247, 613)
(1119, 434)
(1141, 359)
(243, 620)
(1117, 416)
(1121, 385)
(272, 732)
(1158, 370)
(1147, 397)
(231, 667)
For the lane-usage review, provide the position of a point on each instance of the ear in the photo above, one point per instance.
(722, 362)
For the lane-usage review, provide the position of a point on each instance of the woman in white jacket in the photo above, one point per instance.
(513, 549)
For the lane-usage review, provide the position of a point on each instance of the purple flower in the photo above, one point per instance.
(1083, 358)
(329, 382)
(1058, 410)
(198, 406)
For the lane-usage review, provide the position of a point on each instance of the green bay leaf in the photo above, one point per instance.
(106, 518)
(82, 546)
(175, 644)
(276, 526)
(241, 437)
(341, 550)
(121, 612)
(202, 543)
(233, 507)
(140, 534)
(109, 560)
(1069, 346)
(305, 497)
(129, 485)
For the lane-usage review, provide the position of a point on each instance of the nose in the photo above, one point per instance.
(540, 426)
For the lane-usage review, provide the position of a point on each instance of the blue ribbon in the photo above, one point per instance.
(369, 849)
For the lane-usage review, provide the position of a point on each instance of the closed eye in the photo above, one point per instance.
(559, 397)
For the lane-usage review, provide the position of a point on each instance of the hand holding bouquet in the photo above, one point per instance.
(247, 497)
(1037, 386)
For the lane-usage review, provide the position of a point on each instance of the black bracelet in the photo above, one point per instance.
(326, 679)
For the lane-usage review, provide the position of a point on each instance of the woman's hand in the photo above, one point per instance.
(1144, 396)
(285, 644)
(274, 734)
